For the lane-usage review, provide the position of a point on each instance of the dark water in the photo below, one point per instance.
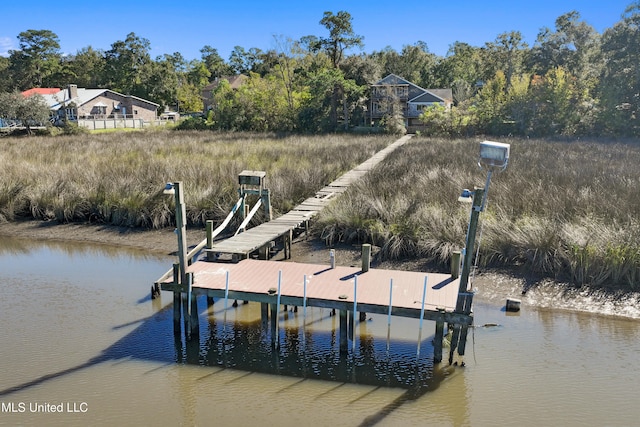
(79, 332)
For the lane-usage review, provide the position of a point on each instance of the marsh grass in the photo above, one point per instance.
(568, 210)
(118, 178)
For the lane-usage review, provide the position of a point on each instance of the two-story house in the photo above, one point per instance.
(395, 92)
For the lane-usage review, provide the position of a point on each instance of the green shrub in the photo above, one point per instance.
(193, 123)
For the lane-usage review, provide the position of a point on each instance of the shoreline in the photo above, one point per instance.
(492, 286)
(162, 241)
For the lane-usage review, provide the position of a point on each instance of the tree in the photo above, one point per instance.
(37, 60)
(87, 68)
(393, 120)
(574, 46)
(318, 112)
(414, 63)
(29, 112)
(620, 81)
(341, 36)
(6, 80)
(214, 63)
(288, 53)
(160, 82)
(490, 104)
(126, 64)
(506, 53)
(9, 105)
(242, 61)
(463, 62)
(556, 103)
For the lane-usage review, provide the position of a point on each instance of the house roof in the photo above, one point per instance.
(234, 82)
(416, 93)
(60, 98)
(41, 91)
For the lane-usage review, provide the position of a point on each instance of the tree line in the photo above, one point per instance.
(573, 81)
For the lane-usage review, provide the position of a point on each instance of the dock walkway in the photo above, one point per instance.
(259, 237)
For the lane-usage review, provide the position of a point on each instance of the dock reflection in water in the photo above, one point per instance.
(308, 348)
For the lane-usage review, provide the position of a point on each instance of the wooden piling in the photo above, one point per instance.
(513, 304)
(366, 257)
(263, 252)
(437, 340)
(176, 314)
(185, 315)
(209, 244)
(274, 324)
(176, 302)
(194, 322)
(462, 343)
(455, 264)
(264, 313)
(455, 336)
(343, 332)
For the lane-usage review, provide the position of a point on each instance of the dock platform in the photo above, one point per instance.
(326, 287)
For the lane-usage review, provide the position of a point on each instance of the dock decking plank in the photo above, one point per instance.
(324, 284)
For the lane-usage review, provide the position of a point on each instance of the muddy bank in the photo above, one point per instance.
(162, 241)
(490, 286)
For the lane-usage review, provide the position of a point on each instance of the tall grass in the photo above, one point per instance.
(118, 178)
(569, 210)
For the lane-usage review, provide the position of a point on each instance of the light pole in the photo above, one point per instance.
(494, 157)
(189, 303)
(175, 189)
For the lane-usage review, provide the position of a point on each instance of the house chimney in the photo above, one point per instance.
(73, 91)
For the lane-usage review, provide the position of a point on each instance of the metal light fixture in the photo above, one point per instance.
(466, 196)
(169, 188)
(494, 155)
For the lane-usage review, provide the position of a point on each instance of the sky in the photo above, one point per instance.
(186, 27)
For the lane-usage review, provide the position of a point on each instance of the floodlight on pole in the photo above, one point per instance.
(494, 156)
(175, 189)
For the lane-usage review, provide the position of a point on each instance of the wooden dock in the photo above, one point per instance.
(326, 287)
(259, 238)
(428, 296)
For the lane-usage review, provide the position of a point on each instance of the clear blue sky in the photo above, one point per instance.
(187, 26)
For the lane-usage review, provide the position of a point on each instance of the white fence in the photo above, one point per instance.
(94, 124)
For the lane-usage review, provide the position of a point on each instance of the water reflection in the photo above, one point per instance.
(307, 353)
(12, 246)
(77, 324)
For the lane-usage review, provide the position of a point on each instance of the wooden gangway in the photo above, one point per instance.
(259, 238)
